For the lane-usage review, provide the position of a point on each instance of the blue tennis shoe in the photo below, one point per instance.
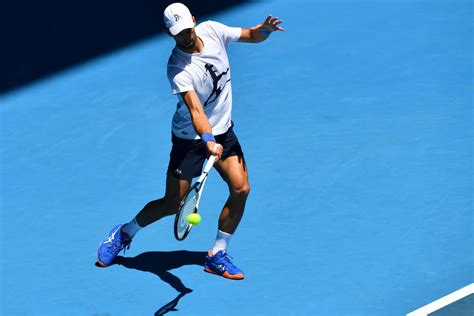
(221, 264)
(111, 247)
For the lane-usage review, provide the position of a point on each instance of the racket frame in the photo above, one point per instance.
(198, 187)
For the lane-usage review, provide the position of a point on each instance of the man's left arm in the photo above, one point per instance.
(260, 32)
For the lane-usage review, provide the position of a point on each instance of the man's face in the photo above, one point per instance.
(186, 38)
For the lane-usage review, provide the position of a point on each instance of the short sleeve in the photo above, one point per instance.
(180, 82)
(226, 33)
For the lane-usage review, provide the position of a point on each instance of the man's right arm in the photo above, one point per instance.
(200, 121)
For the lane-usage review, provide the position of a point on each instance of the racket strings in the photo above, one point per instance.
(186, 209)
(189, 204)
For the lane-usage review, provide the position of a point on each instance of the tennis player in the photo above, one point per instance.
(199, 73)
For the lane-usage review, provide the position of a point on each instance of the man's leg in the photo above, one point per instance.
(168, 205)
(234, 172)
(121, 235)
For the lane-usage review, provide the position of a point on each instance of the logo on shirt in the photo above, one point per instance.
(217, 85)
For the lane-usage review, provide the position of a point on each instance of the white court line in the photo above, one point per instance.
(444, 301)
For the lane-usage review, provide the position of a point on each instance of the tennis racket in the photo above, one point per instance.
(190, 202)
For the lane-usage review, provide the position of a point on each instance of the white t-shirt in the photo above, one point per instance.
(208, 74)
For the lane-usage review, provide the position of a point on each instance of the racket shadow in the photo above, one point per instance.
(160, 262)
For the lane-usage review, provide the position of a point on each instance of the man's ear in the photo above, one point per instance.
(194, 20)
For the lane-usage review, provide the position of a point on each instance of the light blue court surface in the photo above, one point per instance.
(357, 128)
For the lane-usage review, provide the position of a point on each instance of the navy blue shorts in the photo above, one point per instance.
(187, 156)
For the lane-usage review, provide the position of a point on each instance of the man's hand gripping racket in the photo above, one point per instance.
(190, 202)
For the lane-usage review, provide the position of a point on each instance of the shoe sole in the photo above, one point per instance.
(226, 275)
(100, 264)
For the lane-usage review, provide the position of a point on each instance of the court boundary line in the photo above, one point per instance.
(444, 301)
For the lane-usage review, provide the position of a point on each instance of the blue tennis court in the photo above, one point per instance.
(356, 123)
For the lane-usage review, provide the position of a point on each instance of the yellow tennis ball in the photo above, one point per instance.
(193, 218)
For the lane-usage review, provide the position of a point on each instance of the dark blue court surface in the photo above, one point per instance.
(463, 307)
(356, 123)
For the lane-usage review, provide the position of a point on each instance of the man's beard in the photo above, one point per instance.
(190, 44)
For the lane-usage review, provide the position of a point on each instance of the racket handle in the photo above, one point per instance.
(209, 164)
(207, 167)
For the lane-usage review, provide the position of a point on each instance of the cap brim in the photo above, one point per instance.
(175, 29)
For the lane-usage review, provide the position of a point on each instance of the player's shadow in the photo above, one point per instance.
(160, 263)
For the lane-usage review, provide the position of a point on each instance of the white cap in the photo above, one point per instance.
(177, 18)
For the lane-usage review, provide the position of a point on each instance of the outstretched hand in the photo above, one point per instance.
(271, 24)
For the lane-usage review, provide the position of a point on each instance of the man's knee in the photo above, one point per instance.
(172, 204)
(241, 191)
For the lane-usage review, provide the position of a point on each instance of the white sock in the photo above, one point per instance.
(131, 228)
(222, 240)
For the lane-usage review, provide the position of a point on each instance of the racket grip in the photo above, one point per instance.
(209, 164)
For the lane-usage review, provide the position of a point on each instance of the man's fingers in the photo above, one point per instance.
(215, 149)
(276, 23)
(218, 149)
(273, 22)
